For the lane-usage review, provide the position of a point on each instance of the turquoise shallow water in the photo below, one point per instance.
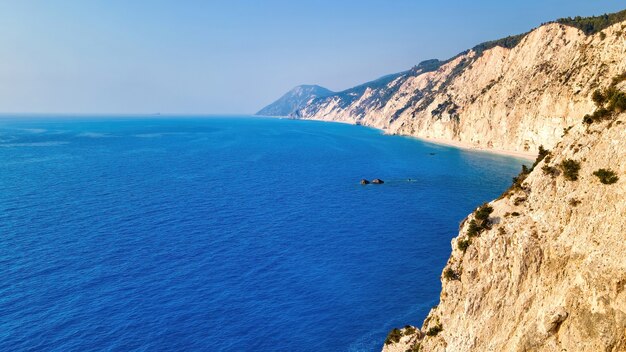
(224, 234)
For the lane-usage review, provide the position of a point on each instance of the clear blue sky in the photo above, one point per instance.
(234, 56)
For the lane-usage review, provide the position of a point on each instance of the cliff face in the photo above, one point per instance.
(541, 268)
(509, 99)
(549, 274)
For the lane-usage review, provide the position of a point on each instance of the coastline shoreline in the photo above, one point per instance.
(444, 142)
(471, 147)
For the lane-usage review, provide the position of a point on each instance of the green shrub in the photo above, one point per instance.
(550, 170)
(509, 42)
(409, 330)
(435, 330)
(542, 154)
(608, 102)
(598, 98)
(483, 212)
(617, 102)
(450, 274)
(519, 200)
(515, 213)
(519, 179)
(606, 176)
(592, 25)
(481, 220)
(463, 244)
(473, 229)
(570, 169)
(394, 336)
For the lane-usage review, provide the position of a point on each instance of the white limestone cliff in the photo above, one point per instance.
(501, 99)
(550, 273)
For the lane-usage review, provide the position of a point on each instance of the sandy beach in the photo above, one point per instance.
(469, 146)
(446, 142)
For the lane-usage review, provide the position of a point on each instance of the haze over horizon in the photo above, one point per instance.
(215, 58)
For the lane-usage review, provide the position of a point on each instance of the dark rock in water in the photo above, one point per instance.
(365, 182)
(378, 181)
(432, 153)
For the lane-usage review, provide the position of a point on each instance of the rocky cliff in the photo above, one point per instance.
(542, 268)
(512, 95)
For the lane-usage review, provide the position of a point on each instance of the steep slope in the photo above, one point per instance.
(514, 94)
(371, 95)
(294, 100)
(545, 270)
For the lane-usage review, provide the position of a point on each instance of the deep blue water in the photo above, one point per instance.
(224, 234)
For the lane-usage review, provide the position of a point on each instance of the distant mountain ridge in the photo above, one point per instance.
(294, 100)
(512, 94)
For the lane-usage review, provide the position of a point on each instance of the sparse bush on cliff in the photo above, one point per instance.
(519, 200)
(599, 115)
(542, 154)
(606, 176)
(463, 244)
(394, 336)
(519, 179)
(598, 98)
(618, 102)
(483, 212)
(609, 102)
(409, 330)
(473, 229)
(550, 170)
(450, 274)
(481, 220)
(570, 169)
(435, 330)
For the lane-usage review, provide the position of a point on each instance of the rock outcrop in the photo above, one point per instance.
(512, 97)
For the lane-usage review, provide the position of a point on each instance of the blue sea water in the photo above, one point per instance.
(224, 234)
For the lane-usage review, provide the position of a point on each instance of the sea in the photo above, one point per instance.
(224, 233)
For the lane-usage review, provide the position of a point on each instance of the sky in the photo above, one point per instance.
(235, 56)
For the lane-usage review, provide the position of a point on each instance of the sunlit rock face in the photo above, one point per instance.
(549, 274)
(509, 99)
